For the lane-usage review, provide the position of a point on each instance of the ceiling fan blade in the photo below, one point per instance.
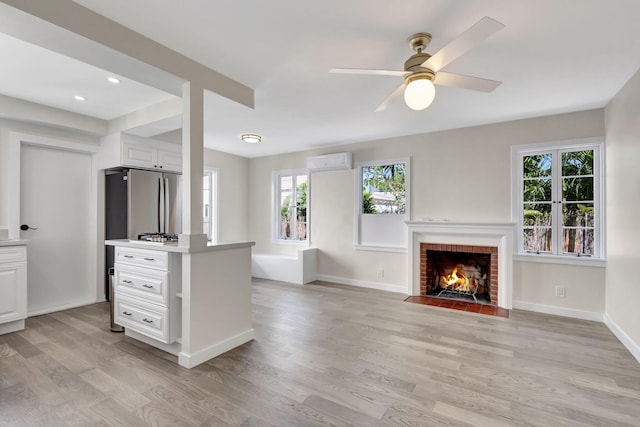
(463, 43)
(368, 71)
(466, 82)
(390, 98)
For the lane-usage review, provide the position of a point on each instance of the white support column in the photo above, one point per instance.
(192, 165)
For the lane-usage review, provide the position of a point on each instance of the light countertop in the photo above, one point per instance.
(220, 246)
(13, 242)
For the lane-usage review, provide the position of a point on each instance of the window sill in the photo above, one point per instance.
(396, 249)
(555, 259)
(290, 242)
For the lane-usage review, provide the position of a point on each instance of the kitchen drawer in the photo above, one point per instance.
(147, 284)
(142, 257)
(13, 254)
(147, 319)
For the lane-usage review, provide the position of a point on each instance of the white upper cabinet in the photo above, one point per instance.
(123, 149)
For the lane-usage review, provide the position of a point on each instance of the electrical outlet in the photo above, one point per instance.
(380, 273)
(561, 291)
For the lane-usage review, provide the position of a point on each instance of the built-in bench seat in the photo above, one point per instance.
(299, 269)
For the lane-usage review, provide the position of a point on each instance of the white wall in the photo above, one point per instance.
(535, 283)
(462, 174)
(233, 199)
(623, 204)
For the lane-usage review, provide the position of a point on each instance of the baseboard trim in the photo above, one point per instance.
(625, 339)
(192, 360)
(173, 348)
(60, 308)
(559, 311)
(14, 326)
(363, 284)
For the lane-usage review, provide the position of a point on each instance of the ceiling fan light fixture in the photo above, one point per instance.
(251, 138)
(420, 91)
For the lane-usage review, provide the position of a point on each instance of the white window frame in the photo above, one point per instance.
(517, 153)
(361, 234)
(214, 208)
(275, 223)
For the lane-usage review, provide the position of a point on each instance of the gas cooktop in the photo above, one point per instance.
(158, 238)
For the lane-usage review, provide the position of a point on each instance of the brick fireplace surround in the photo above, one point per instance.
(462, 236)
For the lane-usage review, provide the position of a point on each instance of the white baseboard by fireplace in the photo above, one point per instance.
(633, 347)
(559, 311)
(363, 284)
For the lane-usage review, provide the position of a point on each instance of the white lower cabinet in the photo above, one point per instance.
(13, 283)
(146, 292)
(151, 320)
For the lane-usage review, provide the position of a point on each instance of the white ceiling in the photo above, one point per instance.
(552, 57)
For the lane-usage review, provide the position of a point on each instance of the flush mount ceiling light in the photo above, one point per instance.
(113, 80)
(422, 70)
(79, 98)
(251, 138)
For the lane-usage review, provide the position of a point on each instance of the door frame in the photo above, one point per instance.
(16, 141)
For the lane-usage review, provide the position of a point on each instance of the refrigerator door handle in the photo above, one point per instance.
(167, 204)
(161, 204)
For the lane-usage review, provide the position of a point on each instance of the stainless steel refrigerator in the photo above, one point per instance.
(154, 202)
(138, 202)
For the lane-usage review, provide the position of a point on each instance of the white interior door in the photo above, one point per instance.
(56, 201)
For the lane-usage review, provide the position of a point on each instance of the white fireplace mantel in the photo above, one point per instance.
(500, 235)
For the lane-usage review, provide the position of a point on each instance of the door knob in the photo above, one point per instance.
(25, 227)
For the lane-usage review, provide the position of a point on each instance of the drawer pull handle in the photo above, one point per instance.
(147, 320)
(128, 256)
(126, 313)
(127, 281)
(149, 259)
(147, 286)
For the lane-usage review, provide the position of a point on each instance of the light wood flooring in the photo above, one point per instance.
(326, 355)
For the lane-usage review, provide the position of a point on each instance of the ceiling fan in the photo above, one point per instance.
(422, 71)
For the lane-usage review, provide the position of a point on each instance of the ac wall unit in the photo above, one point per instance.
(329, 162)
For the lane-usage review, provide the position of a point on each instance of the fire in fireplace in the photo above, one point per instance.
(459, 274)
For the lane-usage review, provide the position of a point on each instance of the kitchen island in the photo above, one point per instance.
(193, 303)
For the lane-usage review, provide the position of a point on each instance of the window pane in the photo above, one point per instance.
(286, 231)
(578, 241)
(537, 215)
(383, 189)
(537, 239)
(301, 214)
(286, 193)
(535, 190)
(301, 190)
(578, 214)
(577, 189)
(301, 230)
(537, 165)
(577, 163)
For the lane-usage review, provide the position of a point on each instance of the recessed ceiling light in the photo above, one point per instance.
(79, 98)
(251, 138)
(113, 80)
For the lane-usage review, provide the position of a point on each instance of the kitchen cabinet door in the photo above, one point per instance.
(13, 292)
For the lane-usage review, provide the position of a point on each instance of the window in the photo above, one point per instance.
(383, 189)
(209, 200)
(291, 206)
(382, 205)
(559, 201)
